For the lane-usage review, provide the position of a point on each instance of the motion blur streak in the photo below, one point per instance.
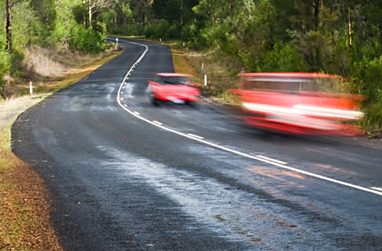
(329, 112)
(299, 103)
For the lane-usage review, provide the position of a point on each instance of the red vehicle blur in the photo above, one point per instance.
(173, 87)
(299, 103)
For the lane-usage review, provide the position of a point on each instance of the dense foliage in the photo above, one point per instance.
(50, 23)
(336, 36)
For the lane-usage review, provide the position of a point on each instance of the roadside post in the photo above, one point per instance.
(30, 88)
(116, 43)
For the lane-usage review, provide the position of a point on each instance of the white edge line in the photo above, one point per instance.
(157, 122)
(283, 166)
(195, 136)
(377, 188)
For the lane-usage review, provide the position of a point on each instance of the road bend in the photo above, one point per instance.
(124, 175)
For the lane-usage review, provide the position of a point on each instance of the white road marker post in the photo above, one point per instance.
(205, 80)
(30, 88)
(116, 43)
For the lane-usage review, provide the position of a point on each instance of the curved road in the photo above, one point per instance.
(124, 175)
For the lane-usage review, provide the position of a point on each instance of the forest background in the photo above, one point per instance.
(341, 37)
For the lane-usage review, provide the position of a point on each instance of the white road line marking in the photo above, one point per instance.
(195, 136)
(377, 188)
(137, 113)
(271, 159)
(283, 166)
(157, 122)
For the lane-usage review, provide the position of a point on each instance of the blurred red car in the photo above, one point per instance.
(299, 103)
(173, 87)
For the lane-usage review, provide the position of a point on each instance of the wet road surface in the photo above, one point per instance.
(124, 175)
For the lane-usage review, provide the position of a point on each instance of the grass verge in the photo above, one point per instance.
(24, 205)
(219, 76)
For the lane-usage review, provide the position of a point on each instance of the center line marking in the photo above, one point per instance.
(226, 149)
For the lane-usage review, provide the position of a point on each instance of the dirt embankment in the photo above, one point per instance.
(24, 202)
(47, 69)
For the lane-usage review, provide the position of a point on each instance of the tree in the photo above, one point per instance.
(179, 11)
(9, 5)
(46, 14)
(94, 6)
(8, 25)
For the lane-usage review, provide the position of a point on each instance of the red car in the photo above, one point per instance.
(299, 103)
(173, 87)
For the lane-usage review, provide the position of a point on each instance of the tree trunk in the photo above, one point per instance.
(316, 13)
(90, 16)
(350, 30)
(8, 25)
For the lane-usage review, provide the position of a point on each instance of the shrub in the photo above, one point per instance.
(163, 29)
(283, 58)
(373, 118)
(17, 64)
(372, 89)
(373, 81)
(86, 39)
(5, 65)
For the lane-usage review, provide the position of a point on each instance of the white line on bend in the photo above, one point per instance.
(195, 136)
(157, 122)
(377, 188)
(258, 157)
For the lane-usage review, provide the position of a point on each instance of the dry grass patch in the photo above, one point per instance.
(24, 207)
(182, 64)
(221, 74)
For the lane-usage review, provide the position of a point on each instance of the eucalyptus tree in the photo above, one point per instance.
(46, 14)
(95, 6)
(9, 4)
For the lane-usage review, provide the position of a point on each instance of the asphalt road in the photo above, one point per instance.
(124, 175)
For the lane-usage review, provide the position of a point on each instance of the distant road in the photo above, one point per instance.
(124, 175)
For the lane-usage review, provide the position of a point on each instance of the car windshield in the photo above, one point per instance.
(326, 85)
(172, 80)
